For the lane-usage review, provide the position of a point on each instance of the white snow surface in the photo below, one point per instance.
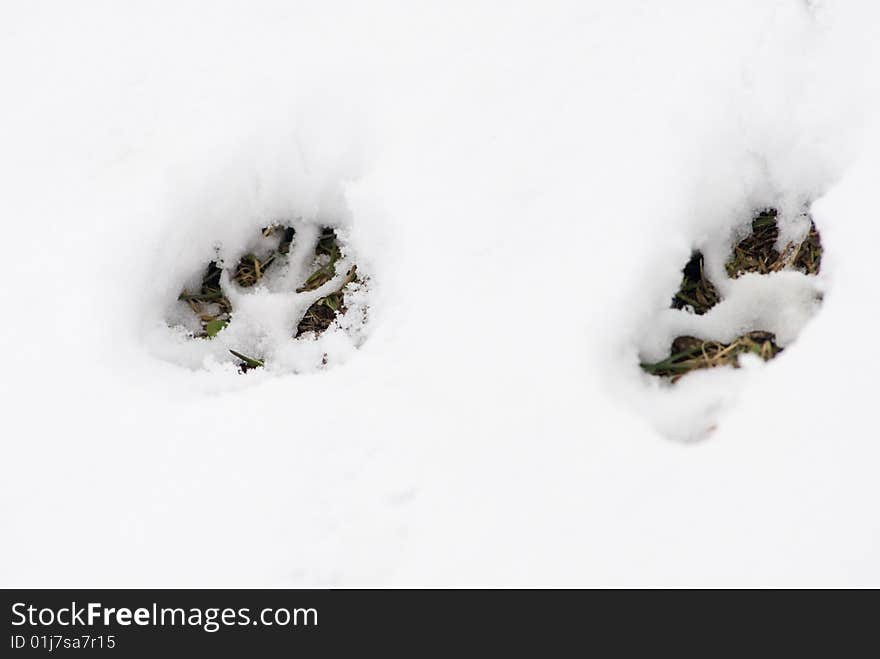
(524, 183)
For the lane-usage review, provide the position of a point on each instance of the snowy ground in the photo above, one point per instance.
(524, 182)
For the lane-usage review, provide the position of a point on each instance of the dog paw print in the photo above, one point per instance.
(754, 304)
(291, 287)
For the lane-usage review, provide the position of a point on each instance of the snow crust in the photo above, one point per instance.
(523, 182)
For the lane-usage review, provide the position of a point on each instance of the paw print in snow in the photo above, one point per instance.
(294, 298)
(754, 303)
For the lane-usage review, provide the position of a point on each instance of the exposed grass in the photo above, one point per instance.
(247, 363)
(209, 303)
(327, 250)
(809, 256)
(323, 312)
(213, 327)
(214, 309)
(696, 290)
(250, 269)
(689, 354)
(755, 253)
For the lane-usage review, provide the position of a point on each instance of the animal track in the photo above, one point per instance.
(295, 283)
(720, 338)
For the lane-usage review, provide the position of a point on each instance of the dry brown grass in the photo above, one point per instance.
(690, 354)
(757, 252)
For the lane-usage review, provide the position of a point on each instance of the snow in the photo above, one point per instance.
(523, 182)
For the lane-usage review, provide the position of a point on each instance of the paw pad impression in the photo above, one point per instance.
(763, 290)
(295, 285)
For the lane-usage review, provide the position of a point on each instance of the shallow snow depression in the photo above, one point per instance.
(262, 257)
(307, 299)
(520, 185)
(745, 295)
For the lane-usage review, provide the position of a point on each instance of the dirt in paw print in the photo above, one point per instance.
(294, 283)
(762, 289)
